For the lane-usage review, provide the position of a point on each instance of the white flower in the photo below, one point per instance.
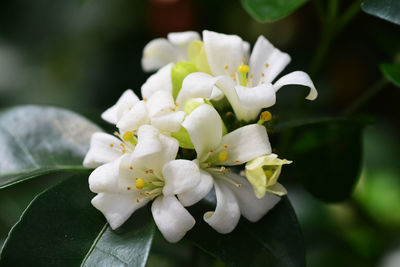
(159, 52)
(248, 88)
(263, 173)
(129, 113)
(215, 151)
(105, 148)
(149, 173)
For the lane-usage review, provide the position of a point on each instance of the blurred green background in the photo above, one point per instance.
(82, 55)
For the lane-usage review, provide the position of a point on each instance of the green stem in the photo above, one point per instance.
(366, 97)
(332, 26)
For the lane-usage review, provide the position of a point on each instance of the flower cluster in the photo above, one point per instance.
(173, 147)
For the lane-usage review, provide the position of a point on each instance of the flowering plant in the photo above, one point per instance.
(173, 147)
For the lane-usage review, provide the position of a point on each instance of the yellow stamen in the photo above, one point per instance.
(223, 156)
(127, 136)
(243, 70)
(111, 145)
(266, 116)
(140, 182)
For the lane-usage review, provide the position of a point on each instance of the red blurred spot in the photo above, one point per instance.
(164, 16)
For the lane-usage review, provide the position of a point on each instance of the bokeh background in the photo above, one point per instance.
(82, 55)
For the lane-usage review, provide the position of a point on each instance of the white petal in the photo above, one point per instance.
(117, 208)
(245, 143)
(180, 175)
(246, 50)
(161, 80)
(148, 142)
(154, 149)
(172, 219)
(103, 149)
(134, 118)
(195, 85)
(221, 50)
(251, 207)
(256, 98)
(158, 53)
(197, 193)
(105, 178)
(183, 39)
(127, 99)
(227, 213)
(160, 102)
(265, 53)
(170, 122)
(297, 78)
(205, 129)
(216, 94)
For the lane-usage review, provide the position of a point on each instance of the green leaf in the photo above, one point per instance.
(385, 9)
(275, 240)
(271, 10)
(391, 72)
(37, 140)
(61, 228)
(326, 155)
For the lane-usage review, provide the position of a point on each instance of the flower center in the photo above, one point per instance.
(128, 143)
(148, 187)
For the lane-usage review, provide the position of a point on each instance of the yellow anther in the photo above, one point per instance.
(144, 99)
(128, 188)
(262, 74)
(266, 116)
(127, 136)
(111, 145)
(266, 65)
(243, 59)
(226, 67)
(223, 156)
(140, 182)
(225, 146)
(243, 69)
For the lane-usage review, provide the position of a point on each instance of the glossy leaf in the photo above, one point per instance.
(391, 72)
(275, 240)
(61, 228)
(326, 155)
(385, 9)
(268, 11)
(37, 140)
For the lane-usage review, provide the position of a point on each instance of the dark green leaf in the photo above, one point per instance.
(128, 246)
(275, 240)
(326, 155)
(268, 11)
(391, 72)
(385, 9)
(38, 140)
(61, 228)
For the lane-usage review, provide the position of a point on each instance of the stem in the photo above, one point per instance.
(332, 26)
(366, 97)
